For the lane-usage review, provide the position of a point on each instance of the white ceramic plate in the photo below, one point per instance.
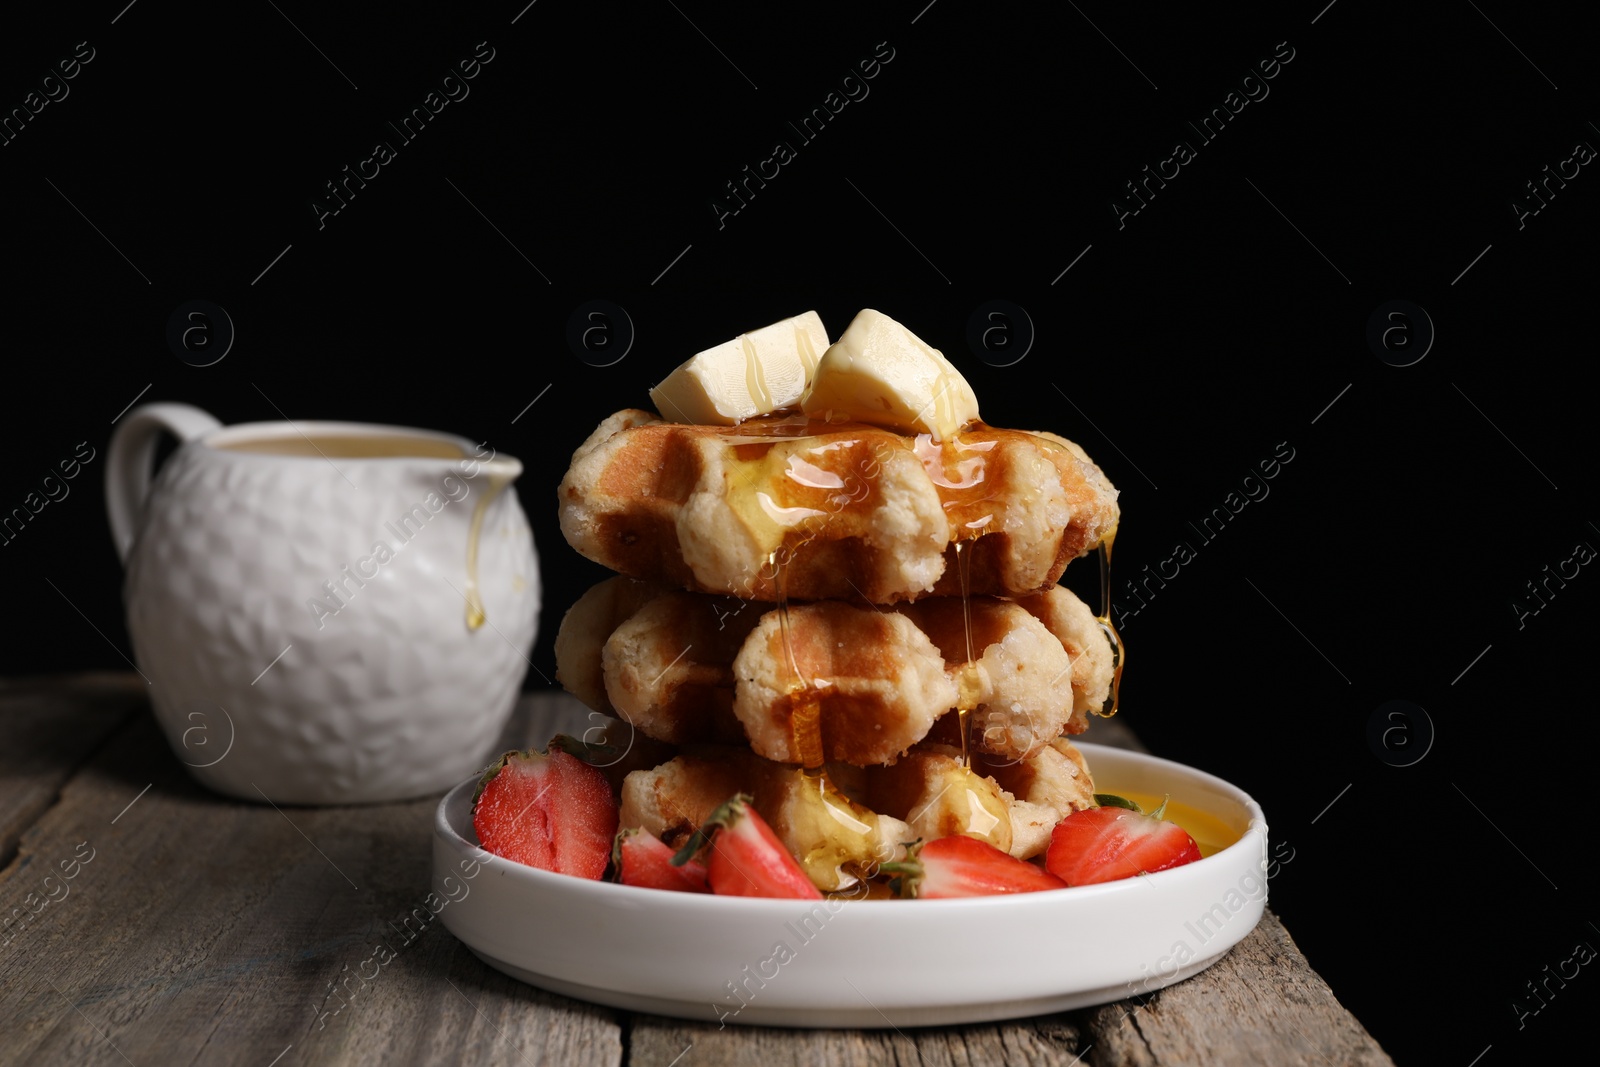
(865, 963)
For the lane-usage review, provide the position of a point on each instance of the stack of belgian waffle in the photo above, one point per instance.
(837, 594)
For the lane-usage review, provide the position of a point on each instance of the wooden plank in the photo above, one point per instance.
(1052, 1040)
(206, 930)
(1260, 1004)
(48, 727)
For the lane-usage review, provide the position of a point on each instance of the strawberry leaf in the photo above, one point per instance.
(616, 846)
(726, 814)
(588, 751)
(907, 873)
(1111, 800)
(697, 841)
(490, 772)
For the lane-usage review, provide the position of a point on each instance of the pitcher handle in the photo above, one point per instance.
(132, 450)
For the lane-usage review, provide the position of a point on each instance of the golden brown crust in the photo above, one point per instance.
(878, 681)
(852, 512)
(677, 797)
(667, 669)
(688, 667)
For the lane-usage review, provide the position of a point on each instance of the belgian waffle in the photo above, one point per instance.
(684, 668)
(837, 511)
(1014, 805)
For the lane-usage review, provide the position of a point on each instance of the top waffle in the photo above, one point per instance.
(836, 510)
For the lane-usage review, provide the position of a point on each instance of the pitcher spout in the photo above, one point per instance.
(499, 468)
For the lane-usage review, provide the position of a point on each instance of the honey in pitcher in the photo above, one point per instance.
(349, 446)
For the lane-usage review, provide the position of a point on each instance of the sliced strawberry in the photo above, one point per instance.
(554, 812)
(961, 866)
(1110, 842)
(747, 859)
(643, 859)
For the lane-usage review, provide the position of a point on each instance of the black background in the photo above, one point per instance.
(1191, 341)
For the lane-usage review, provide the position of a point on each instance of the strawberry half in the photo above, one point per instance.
(643, 859)
(960, 866)
(554, 812)
(1116, 841)
(747, 859)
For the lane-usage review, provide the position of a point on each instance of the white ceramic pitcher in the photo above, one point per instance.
(326, 612)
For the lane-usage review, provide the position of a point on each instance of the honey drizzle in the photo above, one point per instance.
(1119, 653)
(805, 732)
(847, 843)
(476, 616)
(967, 683)
(805, 705)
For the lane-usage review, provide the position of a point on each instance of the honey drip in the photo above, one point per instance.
(805, 724)
(785, 484)
(844, 828)
(805, 703)
(845, 832)
(476, 616)
(968, 685)
(1119, 654)
(959, 470)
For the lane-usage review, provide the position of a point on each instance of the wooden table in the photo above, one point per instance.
(200, 930)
